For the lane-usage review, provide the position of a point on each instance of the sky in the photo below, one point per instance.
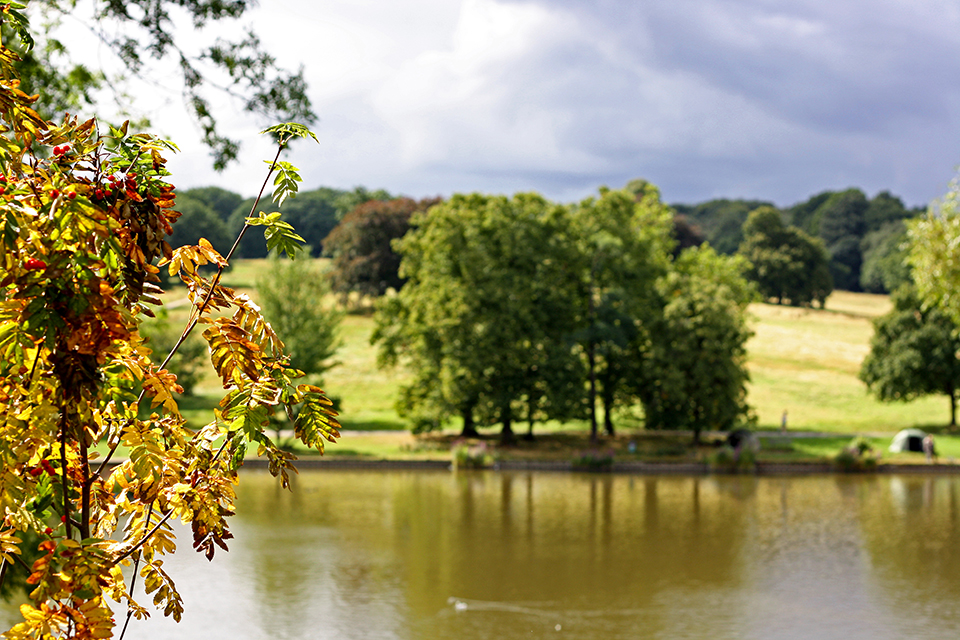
(758, 99)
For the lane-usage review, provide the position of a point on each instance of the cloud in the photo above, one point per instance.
(706, 98)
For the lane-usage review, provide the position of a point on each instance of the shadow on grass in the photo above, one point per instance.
(372, 425)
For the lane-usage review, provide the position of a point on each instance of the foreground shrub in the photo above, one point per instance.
(83, 220)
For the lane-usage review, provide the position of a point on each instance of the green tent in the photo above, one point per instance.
(908, 440)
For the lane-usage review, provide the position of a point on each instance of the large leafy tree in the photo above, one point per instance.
(695, 371)
(364, 260)
(141, 33)
(785, 263)
(913, 353)
(622, 241)
(82, 220)
(483, 317)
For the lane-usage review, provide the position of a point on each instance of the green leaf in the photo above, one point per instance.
(286, 131)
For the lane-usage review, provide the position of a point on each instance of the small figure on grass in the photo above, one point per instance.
(929, 449)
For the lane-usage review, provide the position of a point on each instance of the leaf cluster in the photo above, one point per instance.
(84, 217)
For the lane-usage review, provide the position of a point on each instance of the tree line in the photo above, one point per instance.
(861, 237)
(835, 239)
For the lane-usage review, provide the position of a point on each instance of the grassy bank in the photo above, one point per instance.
(804, 361)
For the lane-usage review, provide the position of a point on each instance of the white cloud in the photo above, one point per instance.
(705, 98)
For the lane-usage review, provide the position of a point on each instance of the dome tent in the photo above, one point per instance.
(908, 440)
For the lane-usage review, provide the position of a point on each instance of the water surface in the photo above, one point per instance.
(422, 555)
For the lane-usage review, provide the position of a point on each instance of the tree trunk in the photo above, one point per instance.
(530, 413)
(469, 428)
(506, 434)
(953, 408)
(592, 363)
(607, 411)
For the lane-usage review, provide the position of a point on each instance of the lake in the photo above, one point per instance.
(423, 555)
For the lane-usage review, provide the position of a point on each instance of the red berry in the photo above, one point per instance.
(2, 190)
(48, 531)
(32, 264)
(35, 471)
(3, 178)
(54, 193)
(65, 148)
(63, 518)
(98, 194)
(71, 195)
(57, 151)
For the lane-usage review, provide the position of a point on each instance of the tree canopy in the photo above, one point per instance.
(913, 353)
(694, 373)
(481, 318)
(785, 263)
(934, 252)
(521, 309)
(364, 260)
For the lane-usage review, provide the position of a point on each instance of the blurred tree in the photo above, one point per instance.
(313, 214)
(842, 226)
(913, 353)
(197, 220)
(785, 263)
(137, 32)
(695, 371)
(347, 201)
(885, 267)
(720, 221)
(623, 241)
(364, 260)
(221, 201)
(293, 295)
(934, 252)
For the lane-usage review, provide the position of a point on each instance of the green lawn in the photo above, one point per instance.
(802, 360)
(806, 361)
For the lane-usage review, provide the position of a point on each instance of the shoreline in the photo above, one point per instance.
(638, 468)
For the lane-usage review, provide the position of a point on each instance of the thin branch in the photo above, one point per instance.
(206, 301)
(133, 579)
(65, 482)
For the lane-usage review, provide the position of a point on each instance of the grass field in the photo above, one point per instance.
(804, 361)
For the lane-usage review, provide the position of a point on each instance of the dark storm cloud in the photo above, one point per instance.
(758, 99)
(851, 93)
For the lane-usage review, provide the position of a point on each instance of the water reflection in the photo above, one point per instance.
(412, 555)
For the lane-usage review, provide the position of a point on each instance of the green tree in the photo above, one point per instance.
(623, 240)
(885, 267)
(221, 201)
(347, 201)
(82, 219)
(364, 260)
(483, 316)
(138, 33)
(294, 297)
(720, 221)
(785, 263)
(196, 221)
(913, 353)
(313, 214)
(695, 368)
(934, 252)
